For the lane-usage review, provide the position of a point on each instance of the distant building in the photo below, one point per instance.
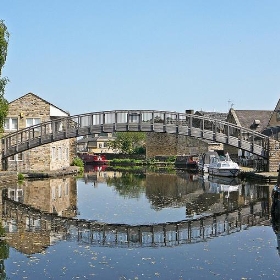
(273, 127)
(219, 116)
(164, 144)
(262, 121)
(29, 110)
(212, 115)
(256, 120)
(96, 144)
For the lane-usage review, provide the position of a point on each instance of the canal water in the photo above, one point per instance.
(138, 225)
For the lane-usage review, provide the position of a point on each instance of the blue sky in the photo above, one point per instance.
(94, 55)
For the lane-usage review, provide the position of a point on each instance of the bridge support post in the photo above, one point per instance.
(274, 155)
(4, 164)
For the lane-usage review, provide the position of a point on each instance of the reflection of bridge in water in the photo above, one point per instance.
(195, 228)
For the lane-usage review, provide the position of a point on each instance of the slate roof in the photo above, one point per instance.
(246, 118)
(273, 121)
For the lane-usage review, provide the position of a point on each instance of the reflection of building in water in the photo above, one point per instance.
(210, 195)
(15, 193)
(29, 233)
(170, 190)
(101, 176)
(57, 195)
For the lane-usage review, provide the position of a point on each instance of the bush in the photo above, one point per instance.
(20, 177)
(171, 159)
(78, 162)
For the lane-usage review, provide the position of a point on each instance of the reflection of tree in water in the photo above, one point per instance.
(168, 190)
(129, 184)
(202, 203)
(213, 202)
(4, 254)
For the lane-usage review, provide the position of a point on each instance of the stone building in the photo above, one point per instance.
(256, 120)
(262, 121)
(273, 127)
(96, 144)
(29, 110)
(164, 144)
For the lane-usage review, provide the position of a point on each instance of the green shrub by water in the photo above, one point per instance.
(20, 177)
(78, 162)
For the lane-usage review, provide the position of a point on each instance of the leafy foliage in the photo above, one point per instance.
(4, 41)
(78, 162)
(129, 142)
(128, 185)
(20, 177)
(4, 107)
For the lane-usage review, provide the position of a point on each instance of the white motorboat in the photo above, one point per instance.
(218, 185)
(204, 161)
(223, 166)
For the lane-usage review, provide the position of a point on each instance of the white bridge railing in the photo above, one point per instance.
(135, 120)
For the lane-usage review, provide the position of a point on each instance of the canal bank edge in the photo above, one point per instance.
(11, 177)
(250, 174)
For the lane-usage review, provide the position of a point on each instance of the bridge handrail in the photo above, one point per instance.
(189, 124)
(260, 135)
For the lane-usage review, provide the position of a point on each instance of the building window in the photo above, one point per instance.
(58, 126)
(59, 153)
(53, 193)
(11, 124)
(59, 191)
(32, 121)
(100, 145)
(17, 157)
(66, 189)
(53, 153)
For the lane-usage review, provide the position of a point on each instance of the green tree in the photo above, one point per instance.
(128, 142)
(4, 41)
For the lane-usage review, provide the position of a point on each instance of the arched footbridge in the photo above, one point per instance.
(137, 120)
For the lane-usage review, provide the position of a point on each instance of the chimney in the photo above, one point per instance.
(189, 111)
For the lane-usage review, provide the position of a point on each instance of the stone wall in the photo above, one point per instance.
(60, 154)
(274, 155)
(8, 178)
(171, 145)
(29, 106)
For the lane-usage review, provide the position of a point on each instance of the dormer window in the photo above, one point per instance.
(256, 122)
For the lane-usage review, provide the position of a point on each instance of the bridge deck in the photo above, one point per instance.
(138, 121)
